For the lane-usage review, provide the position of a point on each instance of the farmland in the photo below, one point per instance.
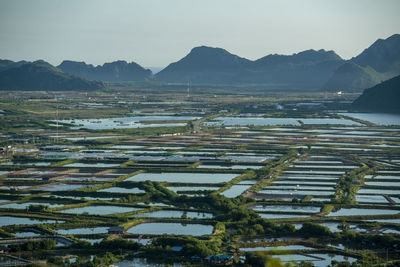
(142, 177)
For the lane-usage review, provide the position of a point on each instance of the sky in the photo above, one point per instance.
(154, 33)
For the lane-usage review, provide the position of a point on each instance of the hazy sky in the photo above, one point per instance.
(158, 32)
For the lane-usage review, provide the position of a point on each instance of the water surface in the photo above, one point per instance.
(171, 229)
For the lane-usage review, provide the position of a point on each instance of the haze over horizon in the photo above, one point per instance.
(155, 33)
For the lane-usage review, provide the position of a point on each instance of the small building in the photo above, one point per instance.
(116, 230)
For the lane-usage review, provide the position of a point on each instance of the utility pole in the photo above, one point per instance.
(57, 121)
(188, 89)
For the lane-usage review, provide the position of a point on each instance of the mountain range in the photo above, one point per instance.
(41, 76)
(306, 70)
(117, 71)
(309, 69)
(206, 65)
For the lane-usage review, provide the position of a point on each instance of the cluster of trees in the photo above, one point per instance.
(348, 184)
(46, 244)
(190, 246)
(312, 229)
(261, 226)
(36, 208)
(117, 244)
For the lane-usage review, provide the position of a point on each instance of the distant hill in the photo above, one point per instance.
(382, 97)
(203, 65)
(42, 76)
(381, 61)
(118, 71)
(309, 69)
(353, 77)
(207, 65)
(8, 64)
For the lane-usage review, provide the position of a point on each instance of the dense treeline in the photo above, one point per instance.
(46, 244)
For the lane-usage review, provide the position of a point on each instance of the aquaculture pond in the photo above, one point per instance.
(377, 118)
(286, 208)
(95, 165)
(26, 234)
(319, 260)
(100, 210)
(297, 182)
(397, 221)
(83, 231)
(257, 121)
(126, 147)
(8, 261)
(184, 177)
(310, 177)
(298, 186)
(175, 214)
(371, 199)
(86, 179)
(358, 211)
(62, 187)
(91, 137)
(376, 182)
(280, 216)
(246, 158)
(27, 204)
(122, 190)
(9, 220)
(297, 192)
(314, 172)
(233, 167)
(235, 190)
(128, 122)
(289, 247)
(379, 191)
(171, 229)
(192, 188)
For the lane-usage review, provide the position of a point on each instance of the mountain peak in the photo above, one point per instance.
(207, 49)
(207, 56)
(382, 55)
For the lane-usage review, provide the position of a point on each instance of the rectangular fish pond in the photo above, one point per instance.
(171, 229)
(83, 231)
(358, 211)
(122, 190)
(128, 122)
(175, 214)
(256, 121)
(184, 177)
(100, 210)
(9, 220)
(27, 204)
